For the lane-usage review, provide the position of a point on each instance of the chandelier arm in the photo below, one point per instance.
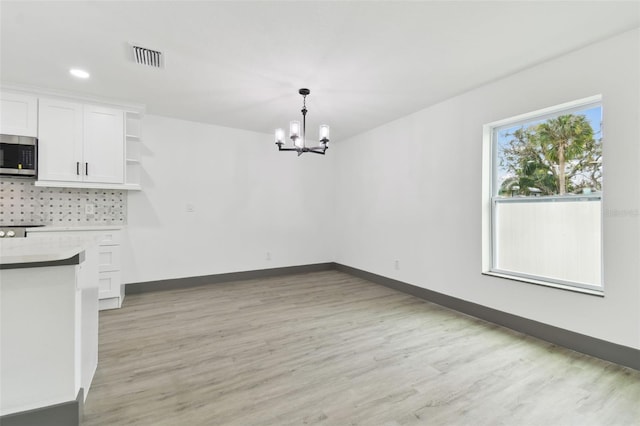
(317, 150)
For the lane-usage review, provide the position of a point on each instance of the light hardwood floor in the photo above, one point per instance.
(327, 348)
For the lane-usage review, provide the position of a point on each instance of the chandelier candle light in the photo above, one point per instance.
(297, 134)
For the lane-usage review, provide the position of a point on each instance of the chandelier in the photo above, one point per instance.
(297, 137)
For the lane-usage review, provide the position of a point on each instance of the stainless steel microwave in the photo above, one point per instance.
(18, 156)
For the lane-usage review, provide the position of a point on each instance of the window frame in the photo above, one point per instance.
(489, 185)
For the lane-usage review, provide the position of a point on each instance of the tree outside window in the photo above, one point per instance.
(557, 156)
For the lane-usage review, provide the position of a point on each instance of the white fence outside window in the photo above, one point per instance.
(558, 238)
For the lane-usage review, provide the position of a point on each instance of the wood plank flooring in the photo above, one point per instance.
(327, 348)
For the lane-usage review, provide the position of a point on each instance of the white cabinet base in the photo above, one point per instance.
(109, 279)
(110, 303)
(49, 336)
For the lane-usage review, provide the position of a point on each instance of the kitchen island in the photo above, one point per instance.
(48, 328)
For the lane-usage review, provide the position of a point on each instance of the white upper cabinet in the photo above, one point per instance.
(18, 114)
(60, 145)
(80, 143)
(103, 144)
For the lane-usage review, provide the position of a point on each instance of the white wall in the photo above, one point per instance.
(411, 191)
(248, 199)
(408, 191)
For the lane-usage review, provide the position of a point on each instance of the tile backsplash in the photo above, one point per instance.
(23, 203)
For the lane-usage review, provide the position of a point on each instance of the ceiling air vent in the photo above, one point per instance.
(148, 57)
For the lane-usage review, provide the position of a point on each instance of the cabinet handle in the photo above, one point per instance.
(78, 168)
(86, 169)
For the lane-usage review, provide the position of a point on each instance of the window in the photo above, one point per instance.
(543, 197)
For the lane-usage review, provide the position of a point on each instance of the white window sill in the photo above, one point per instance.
(551, 284)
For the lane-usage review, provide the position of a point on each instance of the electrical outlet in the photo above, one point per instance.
(89, 209)
(268, 257)
(397, 264)
(190, 208)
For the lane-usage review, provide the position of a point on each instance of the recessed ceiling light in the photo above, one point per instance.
(76, 72)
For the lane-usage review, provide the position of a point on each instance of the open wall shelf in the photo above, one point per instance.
(133, 148)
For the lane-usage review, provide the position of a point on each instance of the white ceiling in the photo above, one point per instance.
(240, 64)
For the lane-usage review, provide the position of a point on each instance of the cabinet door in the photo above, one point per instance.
(60, 140)
(109, 258)
(109, 284)
(18, 114)
(103, 144)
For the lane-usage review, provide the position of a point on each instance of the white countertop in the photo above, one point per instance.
(23, 251)
(54, 228)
